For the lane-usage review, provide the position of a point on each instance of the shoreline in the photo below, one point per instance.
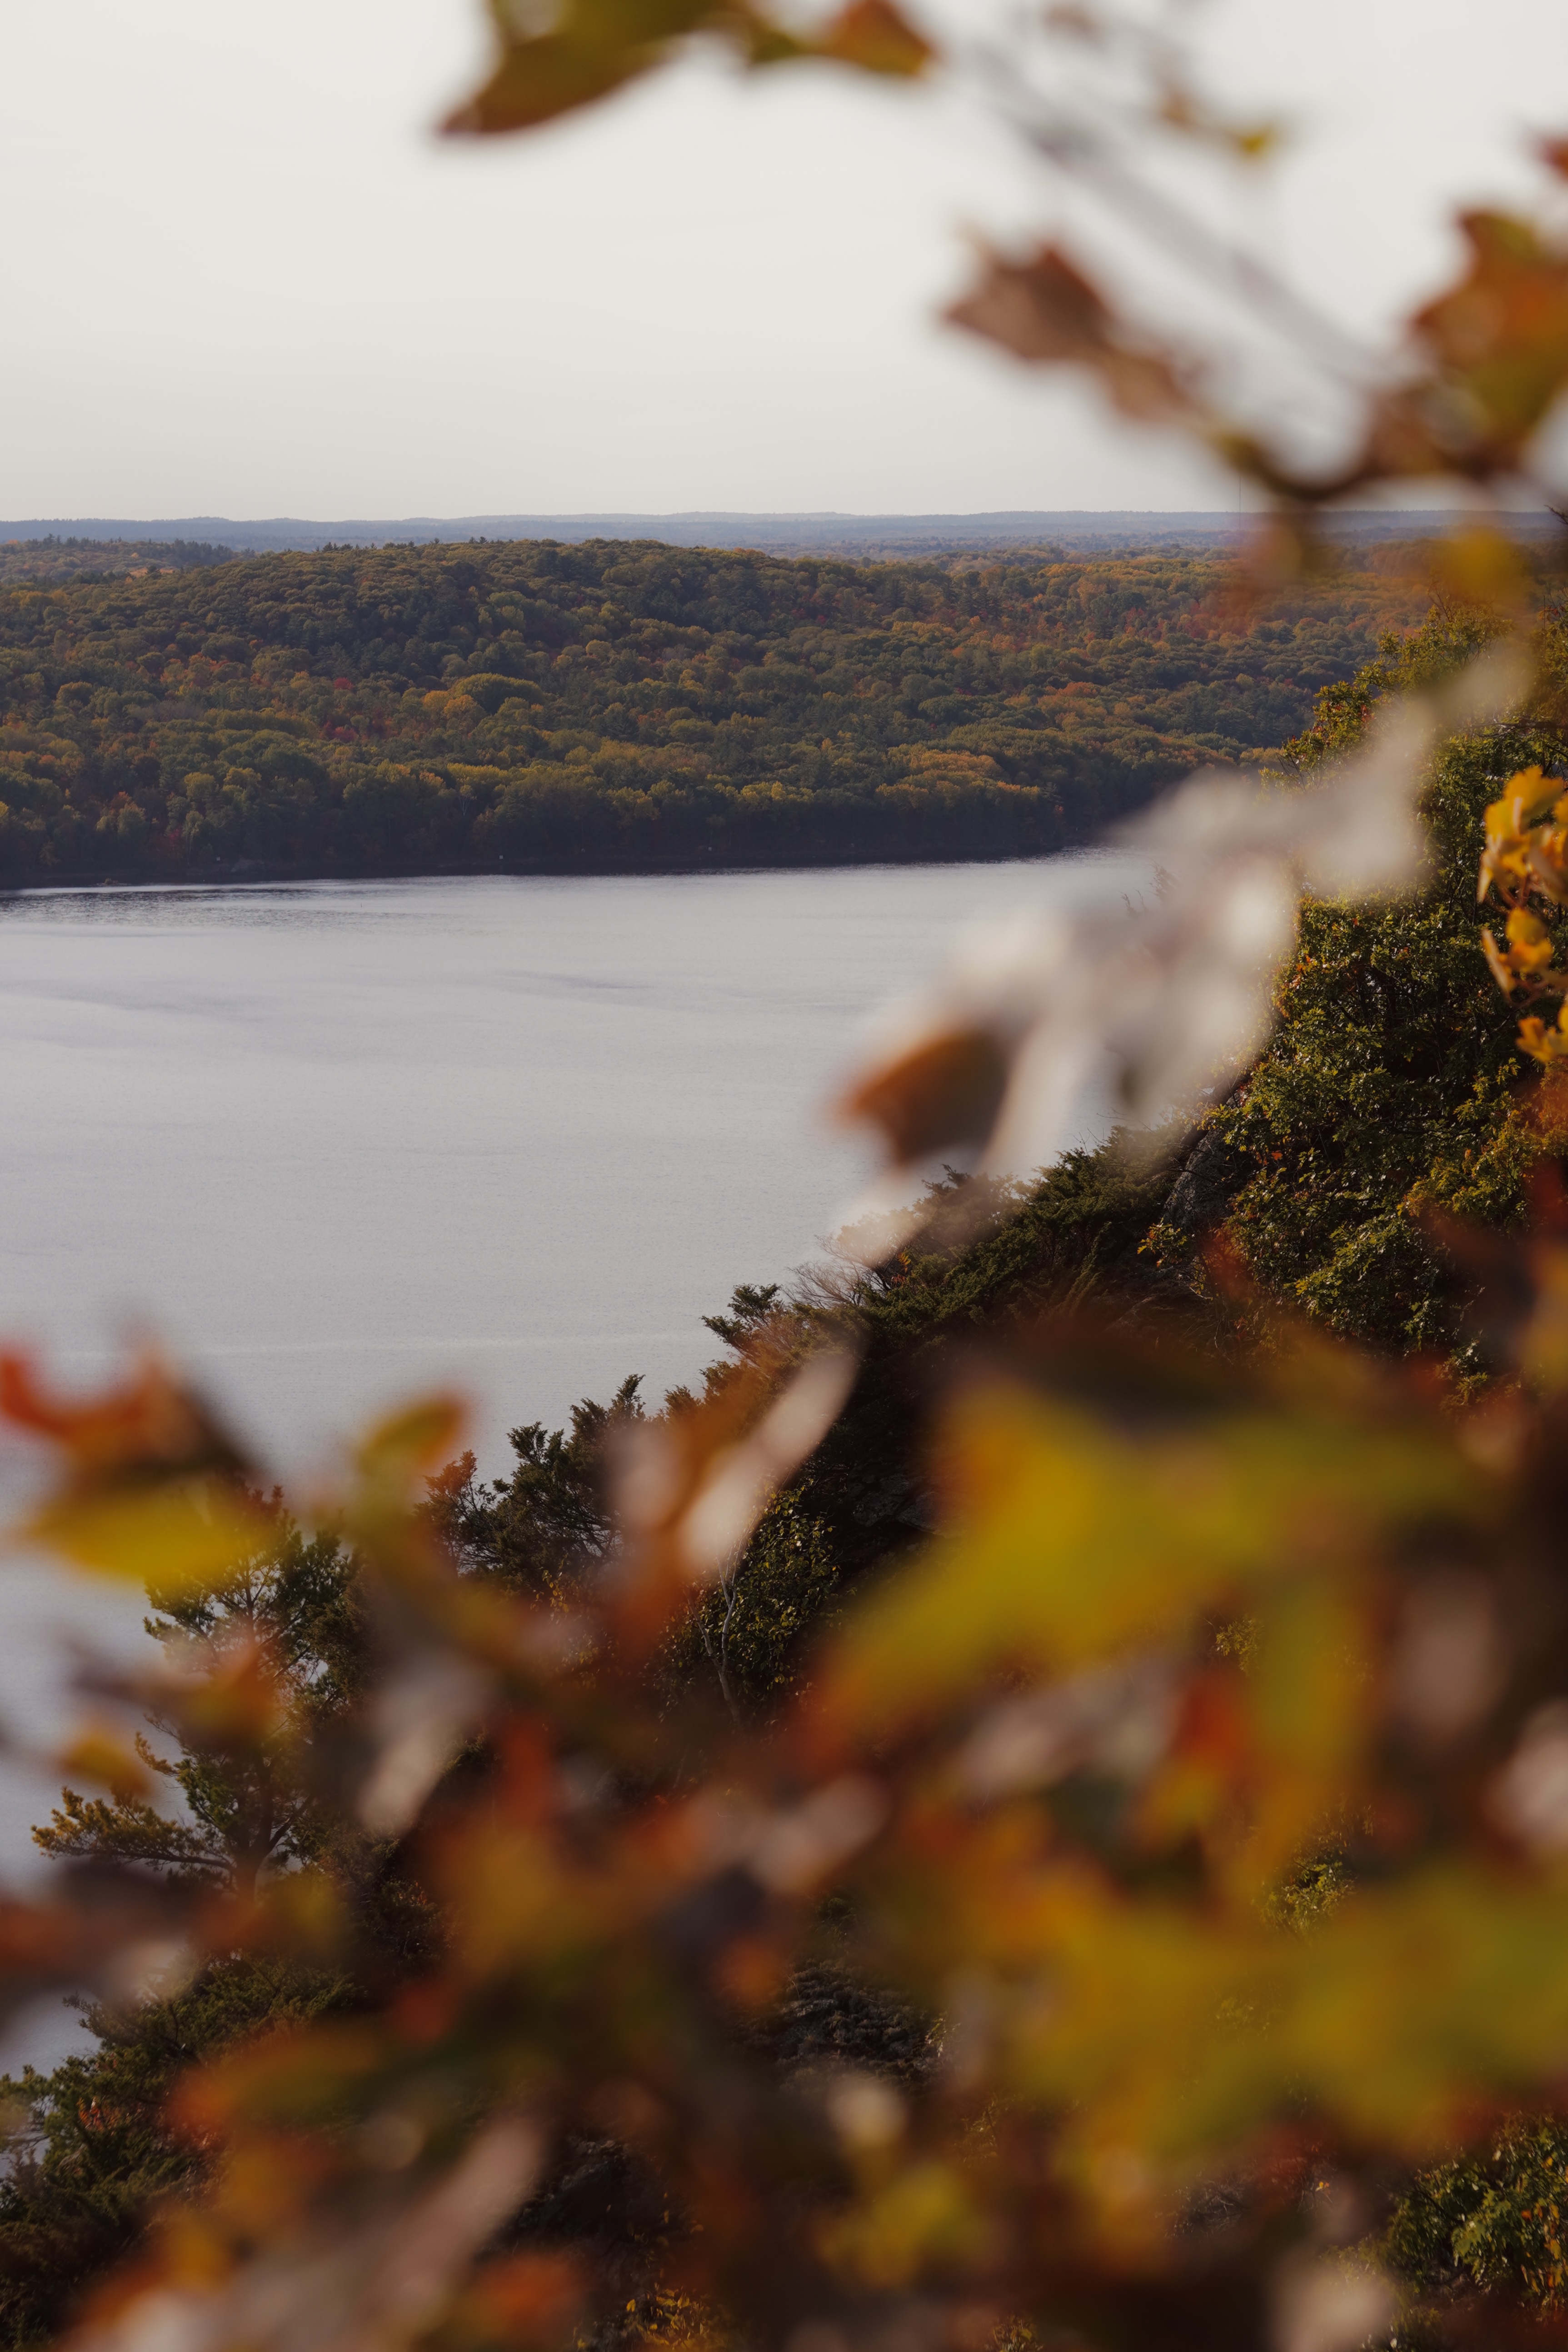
(251, 873)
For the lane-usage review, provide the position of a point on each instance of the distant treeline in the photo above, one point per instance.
(52, 558)
(611, 706)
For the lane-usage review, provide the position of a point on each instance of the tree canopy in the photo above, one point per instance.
(526, 707)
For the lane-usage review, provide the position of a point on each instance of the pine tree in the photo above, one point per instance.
(93, 2150)
(289, 1614)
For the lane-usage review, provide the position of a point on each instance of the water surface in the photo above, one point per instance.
(335, 1141)
(339, 1143)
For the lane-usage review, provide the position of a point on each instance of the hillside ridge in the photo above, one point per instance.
(628, 707)
(817, 531)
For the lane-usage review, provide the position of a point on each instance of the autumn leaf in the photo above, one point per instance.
(596, 45)
(180, 1535)
(1046, 311)
(399, 1450)
(149, 1422)
(1500, 338)
(592, 48)
(877, 38)
(943, 1090)
(1066, 1543)
(151, 1488)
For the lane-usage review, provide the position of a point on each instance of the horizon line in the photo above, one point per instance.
(770, 514)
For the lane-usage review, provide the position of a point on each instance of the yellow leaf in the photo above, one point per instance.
(98, 1753)
(921, 2216)
(1070, 1541)
(1544, 1045)
(181, 1535)
(400, 1449)
(1527, 931)
(1481, 566)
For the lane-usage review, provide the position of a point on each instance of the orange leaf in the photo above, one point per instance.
(872, 35)
(1501, 337)
(947, 1089)
(149, 1420)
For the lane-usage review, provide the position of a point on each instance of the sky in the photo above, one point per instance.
(242, 277)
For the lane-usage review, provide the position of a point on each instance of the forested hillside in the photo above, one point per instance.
(527, 706)
(54, 559)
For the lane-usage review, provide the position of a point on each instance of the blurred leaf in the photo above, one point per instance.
(923, 2215)
(1180, 107)
(150, 1422)
(399, 1452)
(379, 2272)
(594, 47)
(1067, 1541)
(1046, 310)
(943, 1090)
(149, 1489)
(523, 2299)
(1484, 567)
(1501, 339)
(876, 38)
(99, 1753)
(181, 1535)
(1541, 1348)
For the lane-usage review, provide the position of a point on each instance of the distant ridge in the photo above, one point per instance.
(858, 537)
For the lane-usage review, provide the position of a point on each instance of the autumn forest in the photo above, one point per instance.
(533, 707)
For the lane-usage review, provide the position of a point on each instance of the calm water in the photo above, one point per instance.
(338, 1143)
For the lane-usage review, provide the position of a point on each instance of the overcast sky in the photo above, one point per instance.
(242, 277)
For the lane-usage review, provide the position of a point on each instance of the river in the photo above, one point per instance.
(337, 1143)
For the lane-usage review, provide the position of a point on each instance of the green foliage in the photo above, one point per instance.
(750, 1302)
(290, 1610)
(94, 2151)
(94, 2148)
(750, 1628)
(527, 706)
(1392, 1085)
(53, 558)
(294, 1601)
(538, 1530)
(1495, 2222)
(1076, 1230)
